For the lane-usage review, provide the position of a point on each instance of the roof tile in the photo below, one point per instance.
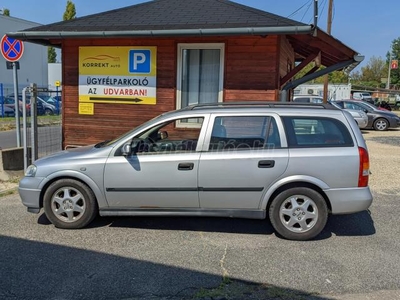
(173, 14)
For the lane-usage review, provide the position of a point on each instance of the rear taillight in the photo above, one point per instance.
(363, 174)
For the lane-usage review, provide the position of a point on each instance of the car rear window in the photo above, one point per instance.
(305, 132)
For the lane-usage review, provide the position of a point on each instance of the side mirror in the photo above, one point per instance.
(162, 135)
(126, 149)
(136, 145)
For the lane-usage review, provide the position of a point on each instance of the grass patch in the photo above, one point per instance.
(8, 192)
(9, 123)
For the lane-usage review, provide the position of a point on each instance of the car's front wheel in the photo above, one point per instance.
(48, 112)
(298, 213)
(381, 124)
(69, 204)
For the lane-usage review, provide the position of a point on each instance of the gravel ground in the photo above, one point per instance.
(384, 153)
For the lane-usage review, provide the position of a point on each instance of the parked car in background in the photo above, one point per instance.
(10, 102)
(377, 119)
(5, 111)
(365, 96)
(55, 107)
(47, 108)
(292, 162)
(359, 116)
(308, 99)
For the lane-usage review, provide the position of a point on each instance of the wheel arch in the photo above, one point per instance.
(293, 184)
(100, 199)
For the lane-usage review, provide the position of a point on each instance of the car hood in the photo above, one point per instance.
(86, 152)
(385, 113)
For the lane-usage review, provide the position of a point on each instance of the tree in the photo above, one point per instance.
(372, 74)
(70, 12)
(51, 55)
(395, 55)
(6, 12)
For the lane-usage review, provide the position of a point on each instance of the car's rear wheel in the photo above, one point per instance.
(48, 112)
(70, 204)
(298, 213)
(381, 124)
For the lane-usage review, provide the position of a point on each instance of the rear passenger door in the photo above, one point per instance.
(242, 156)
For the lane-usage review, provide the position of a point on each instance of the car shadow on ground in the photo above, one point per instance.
(37, 270)
(358, 224)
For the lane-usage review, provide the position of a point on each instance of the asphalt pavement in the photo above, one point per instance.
(356, 257)
(49, 138)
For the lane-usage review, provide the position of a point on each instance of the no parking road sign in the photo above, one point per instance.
(11, 49)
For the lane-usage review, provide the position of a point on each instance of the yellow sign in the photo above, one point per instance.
(58, 83)
(86, 108)
(118, 75)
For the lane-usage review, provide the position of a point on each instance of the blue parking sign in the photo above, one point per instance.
(139, 61)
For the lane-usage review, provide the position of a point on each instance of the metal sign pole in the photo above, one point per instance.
(34, 130)
(25, 129)
(2, 100)
(17, 120)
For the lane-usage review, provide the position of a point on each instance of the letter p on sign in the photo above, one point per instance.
(139, 61)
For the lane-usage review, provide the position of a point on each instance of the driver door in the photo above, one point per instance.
(162, 174)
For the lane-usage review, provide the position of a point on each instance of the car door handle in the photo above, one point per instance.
(266, 163)
(185, 166)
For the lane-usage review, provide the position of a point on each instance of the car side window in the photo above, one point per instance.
(316, 132)
(244, 133)
(166, 138)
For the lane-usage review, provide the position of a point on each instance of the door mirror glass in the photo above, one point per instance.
(162, 135)
(126, 149)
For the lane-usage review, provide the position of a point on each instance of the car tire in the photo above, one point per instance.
(70, 204)
(48, 112)
(381, 124)
(298, 213)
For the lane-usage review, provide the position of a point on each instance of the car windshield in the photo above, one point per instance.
(369, 105)
(125, 135)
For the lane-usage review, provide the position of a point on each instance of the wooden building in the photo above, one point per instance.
(125, 66)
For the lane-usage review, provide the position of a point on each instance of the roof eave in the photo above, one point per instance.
(35, 36)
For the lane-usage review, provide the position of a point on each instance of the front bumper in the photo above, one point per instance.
(30, 192)
(362, 123)
(349, 200)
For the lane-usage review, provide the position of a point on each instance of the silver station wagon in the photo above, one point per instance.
(293, 163)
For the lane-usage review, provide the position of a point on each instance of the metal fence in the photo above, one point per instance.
(41, 126)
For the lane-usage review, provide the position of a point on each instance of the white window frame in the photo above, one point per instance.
(198, 46)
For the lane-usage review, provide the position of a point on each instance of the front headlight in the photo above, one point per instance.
(30, 171)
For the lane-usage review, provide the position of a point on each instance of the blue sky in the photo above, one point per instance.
(368, 27)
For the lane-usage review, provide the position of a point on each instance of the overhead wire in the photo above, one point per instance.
(307, 11)
(297, 10)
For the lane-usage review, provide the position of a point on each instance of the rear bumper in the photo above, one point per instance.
(349, 200)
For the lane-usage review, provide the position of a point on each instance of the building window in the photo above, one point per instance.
(200, 74)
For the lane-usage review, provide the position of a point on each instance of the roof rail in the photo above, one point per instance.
(268, 104)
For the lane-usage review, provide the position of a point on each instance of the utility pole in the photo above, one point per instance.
(392, 48)
(390, 67)
(329, 29)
